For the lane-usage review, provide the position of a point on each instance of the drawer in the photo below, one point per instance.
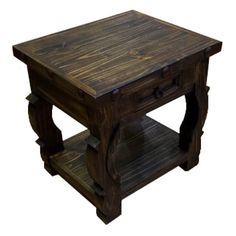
(157, 93)
(156, 90)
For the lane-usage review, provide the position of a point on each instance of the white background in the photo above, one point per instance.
(199, 202)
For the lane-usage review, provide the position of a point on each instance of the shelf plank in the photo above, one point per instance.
(71, 166)
(154, 152)
(144, 155)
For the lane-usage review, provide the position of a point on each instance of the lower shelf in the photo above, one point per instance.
(154, 151)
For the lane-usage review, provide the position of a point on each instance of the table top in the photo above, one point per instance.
(107, 54)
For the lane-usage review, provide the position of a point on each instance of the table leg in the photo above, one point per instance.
(102, 138)
(196, 111)
(50, 137)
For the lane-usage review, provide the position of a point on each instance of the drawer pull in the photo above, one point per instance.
(158, 93)
(162, 90)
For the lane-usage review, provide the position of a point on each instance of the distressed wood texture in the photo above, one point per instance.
(107, 75)
(107, 54)
(139, 161)
(50, 137)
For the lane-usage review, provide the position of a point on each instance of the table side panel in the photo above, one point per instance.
(72, 104)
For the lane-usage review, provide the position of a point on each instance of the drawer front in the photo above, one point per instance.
(156, 90)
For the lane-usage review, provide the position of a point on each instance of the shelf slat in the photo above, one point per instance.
(154, 152)
(70, 164)
(144, 156)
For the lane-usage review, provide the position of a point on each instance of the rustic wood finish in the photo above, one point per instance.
(107, 54)
(50, 138)
(139, 161)
(107, 75)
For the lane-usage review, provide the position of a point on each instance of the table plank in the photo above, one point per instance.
(104, 55)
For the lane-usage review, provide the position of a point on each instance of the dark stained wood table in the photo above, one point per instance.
(107, 75)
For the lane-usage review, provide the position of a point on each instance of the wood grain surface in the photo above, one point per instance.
(104, 55)
(143, 157)
(107, 75)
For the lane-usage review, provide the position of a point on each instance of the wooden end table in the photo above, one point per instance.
(107, 75)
